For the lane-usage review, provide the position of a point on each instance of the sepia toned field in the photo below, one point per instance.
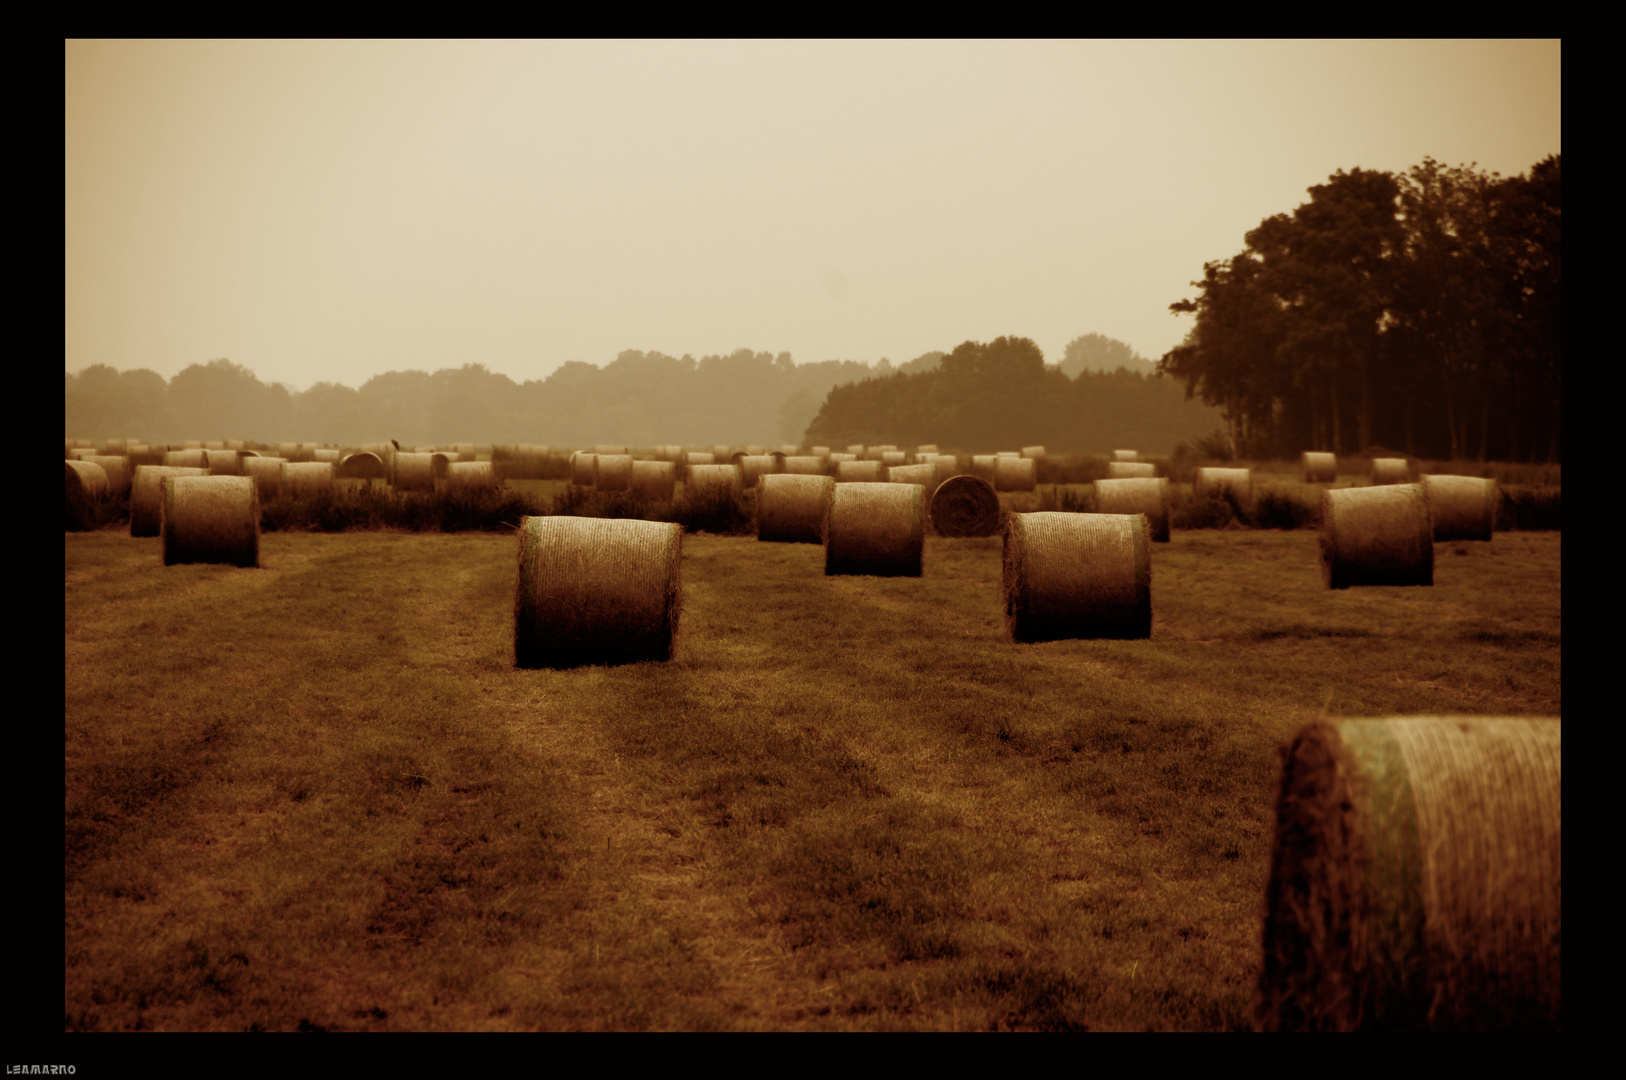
(319, 795)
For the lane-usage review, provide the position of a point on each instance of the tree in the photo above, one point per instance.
(1097, 352)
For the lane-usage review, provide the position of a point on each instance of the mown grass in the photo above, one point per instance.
(319, 795)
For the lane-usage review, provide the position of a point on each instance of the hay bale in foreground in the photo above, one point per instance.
(307, 477)
(872, 528)
(654, 480)
(1141, 495)
(1130, 470)
(147, 496)
(211, 519)
(1125, 455)
(1236, 485)
(469, 475)
(581, 468)
(195, 458)
(1376, 536)
(860, 472)
(1416, 877)
(364, 465)
(84, 483)
(612, 472)
(1015, 474)
(1461, 507)
(224, 462)
(1391, 470)
(804, 464)
(414, 472)
(596, 591)
(791, 507)
(1077, 576)
(965, 506)
(266, 472)
(1318, 468)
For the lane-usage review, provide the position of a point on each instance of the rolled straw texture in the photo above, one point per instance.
(654, 480)
(83, 483)
(891, 459)
(471, 474)
(187, 459)
(1461, 507)
(581, 468)
(612, 472)
(117, 468)
(596, 591)
(364, 465)
(860, 472)
(266, 472)
(1077, 576)
(791, 507)
(1318, 468)
(1376, 536)
(1125, 455)
(1130, 470)
(1391, 470)
(754, 466)
(924, 475)
(875, 529)
(415, 472)
(711, 485)
(1034, 452)
(307, 476)
(720, 453)
(224, 462)
(325, 457)
(1145, 495)
(700, 457)
(804, 464)
(965, 506)
(1015, 474)
(1237, 483)
(210, 519)
(1416, 877)
(147, 496)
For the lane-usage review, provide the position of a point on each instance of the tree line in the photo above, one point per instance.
(1417, 311)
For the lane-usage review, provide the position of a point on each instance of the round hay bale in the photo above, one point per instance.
(654, 480)
(1461, 507)
(84, 483)
(581, 468)
(1077, 576)
(224, 462)
(947, 465)
(1009, 454)
(965, 506)
(1130, 470)
(187, 459)
(326, 457)
(414, 472)
(1376, 536)
(1318, 468)
(711, 489)
(470, 474)
(191, 444)
(363, 466)
(924, 475)
(1391, 470)
(791, 507)
(859, 472)
(266, 472)
(147, 496)
(924, 449)
(821, 452)
(753, 466)
(982, 466)
(211, 519)
(117, 468)
(700, 457)
(1034, 452)
(596, 591)
(465, 451)
(856, 450)
(1015, 474)
(754, 450)
(307, 477)
(612, 472)
(1416, 877)
(891, 459)
(1144, 495)
(288, 451)
(837, 459)
(236, 444)
(804, 464)
(113, 448)
(1235, 484)
(214, 444)
(1125, 455)
(788, 449)
(875, 529)
(721, 453)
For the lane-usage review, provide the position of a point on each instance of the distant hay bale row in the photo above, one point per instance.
(1125, 455)
(582, 469)
(1318, 468)
(1145, 495)
(210, 519)
(1130, 470)
(363, 465)
(874, 528)
(147, 496)
(1034, 452)
(1391, 470)
(755, 466)
(1077, 576)
(194, 458)
(1376, 536)
(307, 477)
(1416, 877)
(596, 591)
(653, 480)
(791, 507)
(965, 506)
(804, 465)
(612, 472)
(1461, 507)
(924, 475)
(1015, 474)
(266, 472)
(860, 472)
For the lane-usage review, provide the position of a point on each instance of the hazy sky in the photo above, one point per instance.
(330, 211)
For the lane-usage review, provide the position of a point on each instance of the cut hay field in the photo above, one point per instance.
(318, 795)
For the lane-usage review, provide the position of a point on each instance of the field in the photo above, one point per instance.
(318, 795)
